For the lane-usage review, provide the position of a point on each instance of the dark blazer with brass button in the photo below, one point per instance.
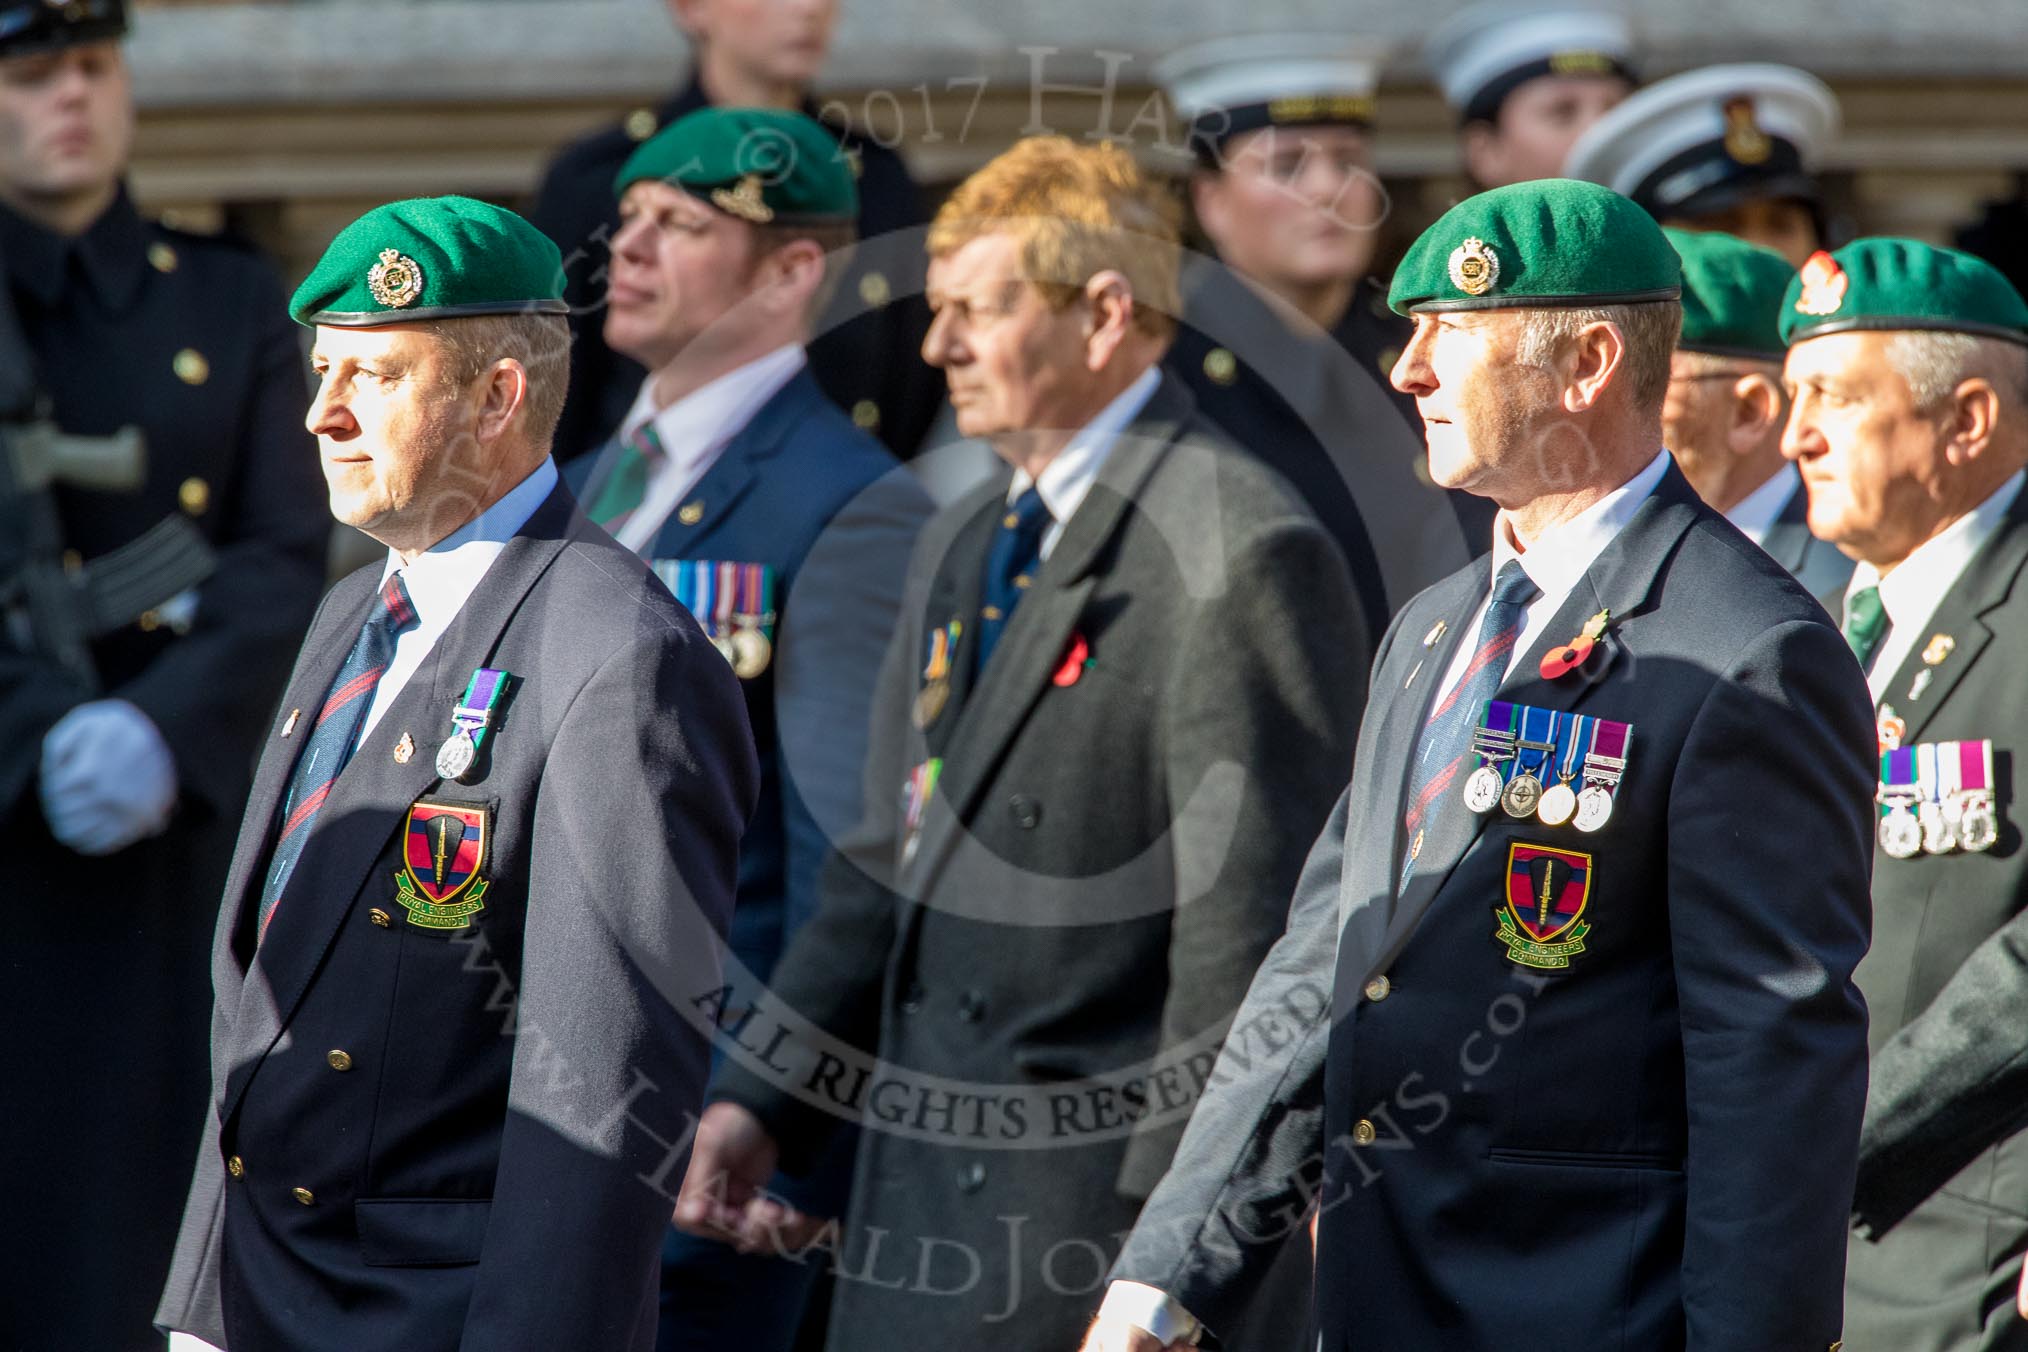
(867, 352)
(1935, 1260)
(1127, 790)
(1650, 1149)
(482, 1173)
(103, 975)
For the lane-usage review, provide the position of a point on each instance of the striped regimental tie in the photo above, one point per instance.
(1447, 737)
(331, 738)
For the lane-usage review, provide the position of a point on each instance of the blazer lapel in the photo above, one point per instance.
(1788, 537)
(956, 594)
(1033, 643)
(1921, 687)
(373, 793)
(324, 651)
(1620, 581)
(686, 534)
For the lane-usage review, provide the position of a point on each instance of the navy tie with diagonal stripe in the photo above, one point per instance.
(329, 744)
(1010, 566)
(1447, 736)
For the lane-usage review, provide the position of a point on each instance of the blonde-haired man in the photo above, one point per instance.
(1115, 718)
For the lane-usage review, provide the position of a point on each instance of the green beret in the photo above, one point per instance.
(1901, 284)
(1548, 244)
(431, 258)
(762, 165)
(1732, 295)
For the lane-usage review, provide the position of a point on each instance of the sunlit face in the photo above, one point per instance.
(1538, 123)
(1779, 223)
(1012, 362)
(1294, 206)
(395, 432)
(1484, 413)
(680, 269)
(66, 122)
(1869, 458)
(778, 41)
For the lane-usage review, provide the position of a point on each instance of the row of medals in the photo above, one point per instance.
(1967, 821)
(746, 647)
(1524, 795)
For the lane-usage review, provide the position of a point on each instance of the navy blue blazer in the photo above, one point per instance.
(802, 490)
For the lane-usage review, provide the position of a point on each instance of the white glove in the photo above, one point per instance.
(108, 779)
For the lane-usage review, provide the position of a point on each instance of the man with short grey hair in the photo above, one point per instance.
(1906, 363)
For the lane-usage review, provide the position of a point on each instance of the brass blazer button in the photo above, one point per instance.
(303, 1195)
(1363, 1133)
(339, 1060)
(236, 1167)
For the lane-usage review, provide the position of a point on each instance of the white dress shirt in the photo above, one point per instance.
(1554, 563)
(1066, 480)
(1755, 513)
(1911, 593)
(445, 575)
(694, 432)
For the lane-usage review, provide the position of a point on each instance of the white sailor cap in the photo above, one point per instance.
(1236, 85)
(1709, 139)
(1482, 54)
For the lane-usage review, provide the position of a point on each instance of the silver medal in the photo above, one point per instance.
(1559, 802)
(1523, 792)
(1979, 823)
(1900, 832)
(456, 755)
(1482, 789)
(1594, 808)
(1938, 837)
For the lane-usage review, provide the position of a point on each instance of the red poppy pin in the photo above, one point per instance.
(1075, 657)
(1560, 661)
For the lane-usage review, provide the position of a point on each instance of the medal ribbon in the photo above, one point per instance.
(1608, 752)
(725, 600)
(475, 711)
(922, 782)
(1975, 766)
(1499, 719)
(1538, 726)
(1929, 786)
(1577, 750)
(1898, 770)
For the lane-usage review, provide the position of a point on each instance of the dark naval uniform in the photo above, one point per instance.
(866, 352)
(1327, 420)
(103, 986)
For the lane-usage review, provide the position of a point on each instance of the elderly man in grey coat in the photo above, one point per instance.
(1121, 706)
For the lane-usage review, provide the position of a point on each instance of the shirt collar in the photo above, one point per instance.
(701, 423)
(1555, 562)
(446, 574)
(110, 254)
(1912, 592)
(1066, 480)
(1757, 511)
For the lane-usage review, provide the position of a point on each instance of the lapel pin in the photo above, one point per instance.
(1075, 659)
(1921, 682)
(1559, 661)
(1413, 672)
(404, 749)
(1436, 631)
(1937, 649)
(1891, 729)
(690, 513)
(289, 727)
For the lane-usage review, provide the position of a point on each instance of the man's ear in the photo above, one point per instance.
(503, 394)
(1971, 417)
(1109, 301)
(793, 275)
(1599, 358)
(1758, 409)
(692, 16)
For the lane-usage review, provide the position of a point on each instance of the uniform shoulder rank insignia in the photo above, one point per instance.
(1824, 284)
(1542, 919)
(1745, 142)
(1474, 267)
(396, 280)
(443, 849)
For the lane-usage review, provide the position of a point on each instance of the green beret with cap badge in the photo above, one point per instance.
(431, 258)
(1901, 284)
(1548, 244)
(1732, 295)
(763, 165)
